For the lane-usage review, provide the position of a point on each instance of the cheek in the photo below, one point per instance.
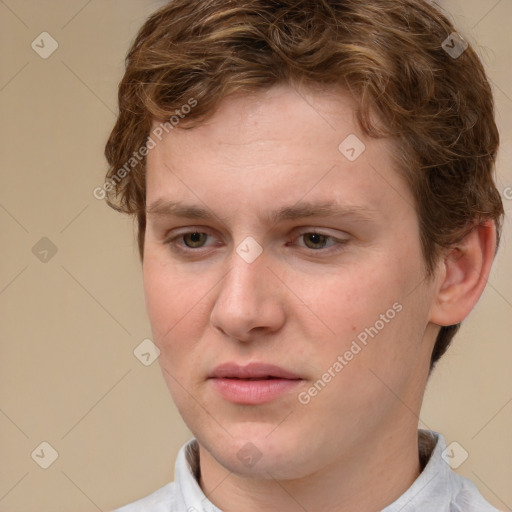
(172, 300)
(375, 311)
(177, 312)
(350, 299)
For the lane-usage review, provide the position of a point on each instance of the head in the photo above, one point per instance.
(241, 110)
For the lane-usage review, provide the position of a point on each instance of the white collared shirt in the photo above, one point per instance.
(437, 489)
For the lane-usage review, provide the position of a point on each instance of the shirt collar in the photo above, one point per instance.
(186, 476)
(434, 486)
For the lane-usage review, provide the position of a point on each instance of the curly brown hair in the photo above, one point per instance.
(391, 55)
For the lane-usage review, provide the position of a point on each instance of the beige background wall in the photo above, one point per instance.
(69, 325)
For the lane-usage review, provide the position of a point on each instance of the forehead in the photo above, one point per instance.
(283, 114)
(275, 148)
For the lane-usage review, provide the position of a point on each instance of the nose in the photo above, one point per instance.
(250, 300)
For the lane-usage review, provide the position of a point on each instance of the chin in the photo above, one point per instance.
(253, 450)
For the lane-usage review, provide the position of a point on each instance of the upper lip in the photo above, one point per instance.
(251, 371)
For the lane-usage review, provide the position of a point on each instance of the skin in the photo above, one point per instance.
(300, 303)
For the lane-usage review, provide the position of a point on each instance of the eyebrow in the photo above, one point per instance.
(299, 210)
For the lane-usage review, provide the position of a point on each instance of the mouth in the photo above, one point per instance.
(252, 371)
(253, 384)
(268, 377)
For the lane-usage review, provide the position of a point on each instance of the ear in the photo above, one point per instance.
(462, 275)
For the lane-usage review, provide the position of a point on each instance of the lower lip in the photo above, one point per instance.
(253, 392)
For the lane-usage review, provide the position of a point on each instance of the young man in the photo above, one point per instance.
(313, 187)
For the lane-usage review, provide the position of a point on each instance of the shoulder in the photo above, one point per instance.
(161, 500)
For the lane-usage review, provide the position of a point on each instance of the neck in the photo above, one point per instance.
(372, 476)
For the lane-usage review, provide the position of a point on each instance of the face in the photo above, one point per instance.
(268, 243)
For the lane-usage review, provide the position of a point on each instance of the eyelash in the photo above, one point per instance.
(172, 242)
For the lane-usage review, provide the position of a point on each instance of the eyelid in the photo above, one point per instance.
(319, 231)
(185, 230)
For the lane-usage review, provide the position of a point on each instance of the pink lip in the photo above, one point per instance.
(267, 382)
(251, 370)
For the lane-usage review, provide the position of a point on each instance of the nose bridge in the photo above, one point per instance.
(247, 298)
(247, 269)
(245, 283)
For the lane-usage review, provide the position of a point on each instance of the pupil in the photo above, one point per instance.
(194, 239)
(316, 239)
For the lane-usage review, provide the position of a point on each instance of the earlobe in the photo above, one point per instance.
(464, 272)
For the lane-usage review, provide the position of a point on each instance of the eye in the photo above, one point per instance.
(317, 241)
(192, 241)
(189, 241)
